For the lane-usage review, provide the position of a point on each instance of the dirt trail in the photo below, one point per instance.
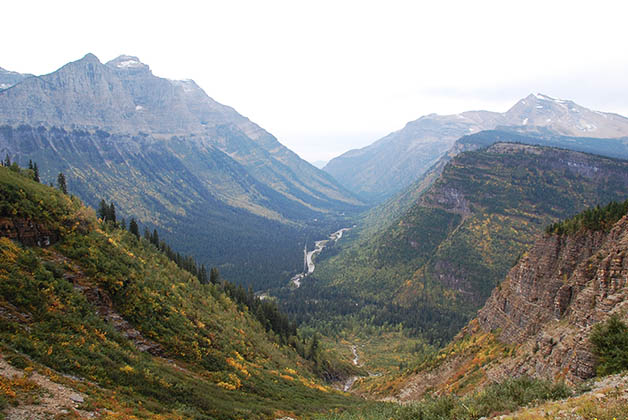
(55, 399)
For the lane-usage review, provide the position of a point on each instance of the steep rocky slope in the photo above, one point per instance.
(395, 161)
(175, 159)
(537, 322)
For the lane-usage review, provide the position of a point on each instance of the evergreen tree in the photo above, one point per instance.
(313, 350)
(103, 210)
(30, 164)
(122, 224)
(35, 173)
(134, 228)
(155, 238)
(214, 275)
(61, 182)
(112, 212)
(202, 275)
(7, 161)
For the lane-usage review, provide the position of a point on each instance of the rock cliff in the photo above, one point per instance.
(537, 322)
(552, 297)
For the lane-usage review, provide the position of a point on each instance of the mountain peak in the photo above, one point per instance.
(127, 62)
(89, 58)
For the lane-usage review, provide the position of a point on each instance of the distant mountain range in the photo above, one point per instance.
(392, 163)
(215, 183)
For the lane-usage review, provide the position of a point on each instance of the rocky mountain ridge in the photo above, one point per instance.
(395, 161)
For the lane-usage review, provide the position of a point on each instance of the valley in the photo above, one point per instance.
(476, 265)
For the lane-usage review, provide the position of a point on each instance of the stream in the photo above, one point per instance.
(356, 359)
(318, 247)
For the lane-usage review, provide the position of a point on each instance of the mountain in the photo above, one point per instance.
(395, 161)
(539, 321)
(96, 322)
(438, 261)
(381, 216)
(320, 164)
(176, 160)
(10, 78)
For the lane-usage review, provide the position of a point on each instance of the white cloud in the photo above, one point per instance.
(327, 74)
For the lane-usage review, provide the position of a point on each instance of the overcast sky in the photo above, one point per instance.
(328, 76)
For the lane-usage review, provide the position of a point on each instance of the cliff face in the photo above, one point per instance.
(553, 296)
(537, 322)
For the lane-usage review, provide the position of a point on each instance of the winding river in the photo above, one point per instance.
(318, 247)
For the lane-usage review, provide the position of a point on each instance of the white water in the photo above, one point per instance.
(319, 246)
(356, 359)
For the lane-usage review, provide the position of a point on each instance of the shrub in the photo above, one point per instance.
(610, 345)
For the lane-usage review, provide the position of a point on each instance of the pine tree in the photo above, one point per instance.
(134, 228)
(202, 275)
(112, 212)
(30, 164)
(214, 275)
(7, 161)
(155, 238)
(61, 182)
(35, 173)
(103, 210)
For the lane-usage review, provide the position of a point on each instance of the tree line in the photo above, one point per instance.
(596, 218)
(265, 310)
(34, 172)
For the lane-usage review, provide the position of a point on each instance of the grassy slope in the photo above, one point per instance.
(219, 361)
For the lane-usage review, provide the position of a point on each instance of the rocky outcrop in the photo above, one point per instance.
(537, 322)
(27, 232)
(553, 296)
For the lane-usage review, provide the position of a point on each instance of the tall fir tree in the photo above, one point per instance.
(36, 173)
(61, 183)
(134, 228)
(103, 210)
(112, 212)
(214, 275)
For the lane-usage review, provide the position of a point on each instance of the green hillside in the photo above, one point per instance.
(437, 263)
(138, 336)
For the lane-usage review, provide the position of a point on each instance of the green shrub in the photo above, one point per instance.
(503, 397)
(610, 345)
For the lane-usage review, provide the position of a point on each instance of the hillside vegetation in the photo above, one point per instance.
(140, 337)
(436, 265)
(555, 328)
